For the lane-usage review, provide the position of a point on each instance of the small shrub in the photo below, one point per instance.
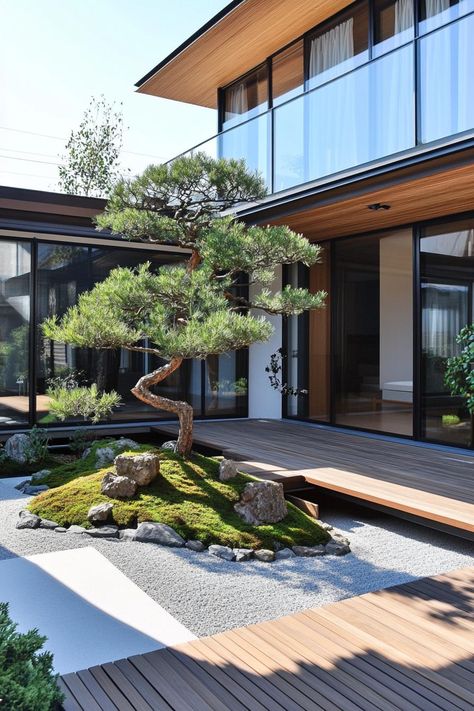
(449, 420)
(86, 402)
(37, 448)
(27, 680)
(80, 440)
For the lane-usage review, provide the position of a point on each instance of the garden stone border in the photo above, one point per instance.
(162, 534)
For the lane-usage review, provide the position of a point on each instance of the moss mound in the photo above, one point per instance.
(187, 496)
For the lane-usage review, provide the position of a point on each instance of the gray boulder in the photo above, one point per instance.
(340, 538)
(262, 502)
(170, 445)
(264, 555)
(104, 456)
(335, 548)
(30, 490)
(309, 551)
(221, 552)
(127, 534)
(142, 468)
(227, 469)
(100, 513)
(23, 484)
(284, 554)
(76, 529)
(197, 546)
(16, 447)
(152, 532)
(42, 474)
(242, 554)
(118, 487)
(103, 532)
(46, 523)
(86, 453)
(124, 443)
(28, 520)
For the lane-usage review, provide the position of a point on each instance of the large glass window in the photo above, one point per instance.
(339, 45)
(374, 332)
(246, 98)
(288, 73)
(447, 270)
(434, 13)
(393, 24)
(15, 268)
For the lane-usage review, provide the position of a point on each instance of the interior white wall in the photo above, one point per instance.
(264, 402)
(396, 308)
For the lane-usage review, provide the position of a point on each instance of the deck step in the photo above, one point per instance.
(308, 507)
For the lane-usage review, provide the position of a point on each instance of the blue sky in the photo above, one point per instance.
(56, 54)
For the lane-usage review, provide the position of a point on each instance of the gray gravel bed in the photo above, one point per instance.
(209, 595)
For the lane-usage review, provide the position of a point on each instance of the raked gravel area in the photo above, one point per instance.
(209, 595)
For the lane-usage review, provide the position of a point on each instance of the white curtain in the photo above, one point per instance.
(434, 8)
(238, 100)
(331, 48)
(403, 16)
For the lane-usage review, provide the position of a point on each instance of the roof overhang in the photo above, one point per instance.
(237, 39)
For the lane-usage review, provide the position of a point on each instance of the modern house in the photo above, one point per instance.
(360, 117)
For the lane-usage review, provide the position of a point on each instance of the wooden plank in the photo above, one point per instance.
(132, 691)
(147, 691)
(112, 691)
(309, 507)
(81, 693)
(96, 690)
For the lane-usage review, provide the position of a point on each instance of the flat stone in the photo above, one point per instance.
(309, 551)
(340, 538)
(118, 487)
(28, 520)
(142, 468)
(103, 532)
(334, 548)
(100, 513)
(242, 554)
(42, 474)
(264, 555)
(34, 490)
(60, 529)
(197, 546)
(76, 529)
(262, 502)
(221, 552)
(127, 534)
(46, 523)
(152, 532)
(284, 553)
(22, 484)
(227, 469)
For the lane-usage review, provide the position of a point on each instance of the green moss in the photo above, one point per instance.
(187, 496)
(10, 468)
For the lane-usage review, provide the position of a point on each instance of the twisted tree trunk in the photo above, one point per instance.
(182, 409)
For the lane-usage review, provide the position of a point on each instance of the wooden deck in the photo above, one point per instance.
(407, 647)
(433, 485)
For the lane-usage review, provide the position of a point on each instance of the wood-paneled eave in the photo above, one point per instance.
(424, 191)
(236, 42)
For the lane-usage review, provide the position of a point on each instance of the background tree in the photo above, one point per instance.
(197, 308)
(91, 163)
(459, 374)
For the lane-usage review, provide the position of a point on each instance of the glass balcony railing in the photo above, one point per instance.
(380, 109)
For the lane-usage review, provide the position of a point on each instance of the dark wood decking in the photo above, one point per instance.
(431, 484)
(407, 647)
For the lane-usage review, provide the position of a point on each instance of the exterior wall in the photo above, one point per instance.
(264, 402)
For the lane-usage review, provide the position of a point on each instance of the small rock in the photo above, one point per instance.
(242, 554)
(142, 468)
(28, 520)
(221, 552)
(262, 502)
(127, 534)
(60, 529)
(152, 532)
(334, 548)
(16, 447)
(76, 529)
(100, 513)
(325, 526)
(34, 490)
(104, 456)
(340, 538)
(86, 453)
(22, 484)
(42, 474)
(170, 445)
(227, 469)
(284, 553)
(46, 523)
(264, 555)
(103, 532)
(309, 551)
(118, 487)
(124, 443)
(197, 546)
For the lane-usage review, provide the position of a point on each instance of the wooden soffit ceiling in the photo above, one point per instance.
(242, 38)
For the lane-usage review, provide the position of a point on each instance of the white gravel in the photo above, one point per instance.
(209, 595)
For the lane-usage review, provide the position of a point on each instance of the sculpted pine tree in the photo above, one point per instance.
(197, 308)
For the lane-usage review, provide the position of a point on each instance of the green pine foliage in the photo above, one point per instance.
(459, 374)
(27, 681)
(86, 402)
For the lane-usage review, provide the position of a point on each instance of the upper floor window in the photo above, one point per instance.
(246, 97)
(339, 45)
(434, 13)
(288, 73)
(393, 24)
